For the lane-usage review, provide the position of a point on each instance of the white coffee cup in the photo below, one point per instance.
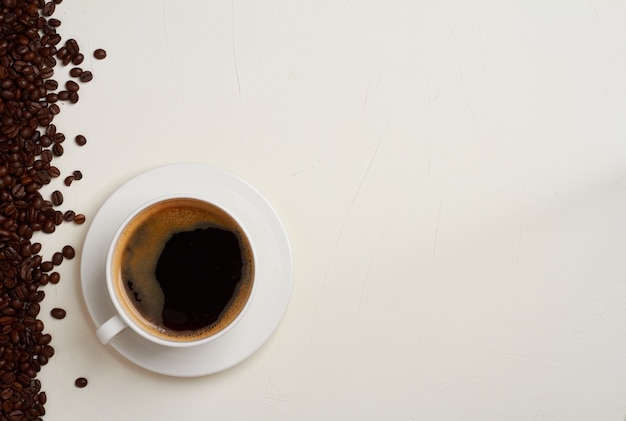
(170, 268)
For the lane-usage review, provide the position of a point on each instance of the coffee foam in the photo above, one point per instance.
(144, 239)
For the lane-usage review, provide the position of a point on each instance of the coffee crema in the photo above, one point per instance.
(183, 269)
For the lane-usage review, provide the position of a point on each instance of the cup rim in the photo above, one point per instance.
(128, 320)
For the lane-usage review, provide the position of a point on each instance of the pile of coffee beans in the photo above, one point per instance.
(31, 52)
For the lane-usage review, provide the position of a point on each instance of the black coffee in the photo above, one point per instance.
(184, 269)
(198, 272)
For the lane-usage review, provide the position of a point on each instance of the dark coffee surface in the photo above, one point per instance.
(184, 269)
(198, 272)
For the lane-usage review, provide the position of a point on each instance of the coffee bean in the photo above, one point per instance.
(58, 313)
(71, 86)
(51, 84)
(57, 198)
(54, 171)
(47, 351)
(76, 72)
(69, 215)
(99, 54)
(86, 76)
(55, 278)
(57, 258)
(68, 252)
(80, 140)
(77, 174)
(81, 382)
(68, 180)
(48, 9)
(78, 59)
(79, 219)
(57, 149)
(72, 46)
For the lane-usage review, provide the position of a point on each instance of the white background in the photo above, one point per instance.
(451, 176)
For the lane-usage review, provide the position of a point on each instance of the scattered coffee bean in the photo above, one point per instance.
(71, 86)
(99, 54)
(81, 382)
(86, 76)
(57, 149)
(68, 252)
(77, 174)
(80, 140)
(51, 84)
(68, 180)
(58, 313)
(57, 258)
(76, 72)
(69, 215)
(79, 219)
(57, 198)
(78, 59)
(54, 171)
(55, 277)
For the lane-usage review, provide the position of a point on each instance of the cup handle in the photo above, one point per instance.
(110, 328)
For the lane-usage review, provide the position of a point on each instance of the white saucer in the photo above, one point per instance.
(273, 268)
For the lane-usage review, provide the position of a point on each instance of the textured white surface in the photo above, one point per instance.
(450, 174)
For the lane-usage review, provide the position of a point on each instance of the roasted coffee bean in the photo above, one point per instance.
(74, 97)
(47, 266)
(48, 9)
(77, 174)
(72, 46)
(69, 215)
(81, 382)
(57, 149)
(33, 309)
(58, 217)
(78, 59)
(79, 219)
(68, 252)
(71, 86)
(68, 180)
(76, 72)
(62, 53)
(55, 278)
(99, 54)
(57, 198)
(57, 258)
(80, 140)
(51, 130)
(54, 171)
(86, 76)
(63, 95)
(44, 340)
(58, 313)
